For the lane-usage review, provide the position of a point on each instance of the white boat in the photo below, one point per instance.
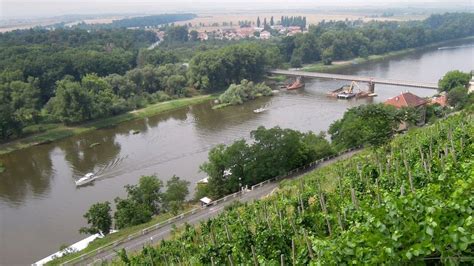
(259, 110)
(89, 177)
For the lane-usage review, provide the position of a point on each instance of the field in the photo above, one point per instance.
(312, 17)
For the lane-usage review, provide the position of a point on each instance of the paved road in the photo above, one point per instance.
(155, 236)
(404, 83)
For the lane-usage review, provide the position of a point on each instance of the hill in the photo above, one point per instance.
(407, 202)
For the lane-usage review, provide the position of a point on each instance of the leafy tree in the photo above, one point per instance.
(71, 104)
(130, 212)
(454, 79)
(147, 193)
(25, 100)
(99, 218)
(10, 126)
(176, 192)
(243, 92)
(458, 97)
(372, 124)
(327, 56)
(296, 61)
(273, 152)
(176, 34)
(193, 36)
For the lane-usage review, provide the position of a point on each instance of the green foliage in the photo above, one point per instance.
(147, 192)
(176, 34)
(409, 202)
(130, 213)
(372, 124)
(99, 218)
(243, 92)
(176, 192)
(216, 69)
(143, 201)
(454, 79)
(458, 97)
(343, 40)
(76, 102)
(273, 152)
(156, 57)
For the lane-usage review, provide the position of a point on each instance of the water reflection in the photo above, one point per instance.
(92, 154)
(27, 173)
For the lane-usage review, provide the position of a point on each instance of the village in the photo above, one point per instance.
(259, 29)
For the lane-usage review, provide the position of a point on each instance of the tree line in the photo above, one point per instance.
(342, 40)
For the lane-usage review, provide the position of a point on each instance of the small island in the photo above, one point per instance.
(243, 92)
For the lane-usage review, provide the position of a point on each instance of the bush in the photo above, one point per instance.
(245, 91)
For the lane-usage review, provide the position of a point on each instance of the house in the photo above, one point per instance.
(408, 99)
(441, 100)
(245, 32)
(265, 35)
(203, 36)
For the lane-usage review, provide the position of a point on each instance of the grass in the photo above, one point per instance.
(122, 234)
(52, 132)
(278, 78)
(2, 168)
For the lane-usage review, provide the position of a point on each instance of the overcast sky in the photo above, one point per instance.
(47, 8)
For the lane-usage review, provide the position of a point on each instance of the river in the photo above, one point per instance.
(41, 208)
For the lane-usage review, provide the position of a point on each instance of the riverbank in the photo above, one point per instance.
(120, 235)
(336, 65)
(54, 132)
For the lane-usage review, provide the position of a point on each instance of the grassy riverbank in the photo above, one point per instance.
(320, 67)
(53, 132)
(122, 234)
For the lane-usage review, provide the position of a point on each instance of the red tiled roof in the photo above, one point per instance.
(441, 100)
(406, 99)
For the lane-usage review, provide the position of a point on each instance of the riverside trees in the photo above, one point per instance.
(273, 152)
(99, 219)
(142, 202)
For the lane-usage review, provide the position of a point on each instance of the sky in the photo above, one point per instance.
(24, 9)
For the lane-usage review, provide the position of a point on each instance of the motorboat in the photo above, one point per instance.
(89, 177)
(259, 110)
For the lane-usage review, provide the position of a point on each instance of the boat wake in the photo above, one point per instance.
(455, 47)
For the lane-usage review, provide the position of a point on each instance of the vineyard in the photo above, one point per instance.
(408, 202)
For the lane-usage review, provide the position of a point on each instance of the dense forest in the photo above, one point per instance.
(342, 40)
(44, 71)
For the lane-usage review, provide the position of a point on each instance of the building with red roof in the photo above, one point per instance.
(406, 99)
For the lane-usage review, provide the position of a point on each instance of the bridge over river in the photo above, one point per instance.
(370, 80)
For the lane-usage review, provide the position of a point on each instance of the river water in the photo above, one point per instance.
(41, 208)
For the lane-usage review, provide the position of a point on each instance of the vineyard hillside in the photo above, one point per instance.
(408, 202)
